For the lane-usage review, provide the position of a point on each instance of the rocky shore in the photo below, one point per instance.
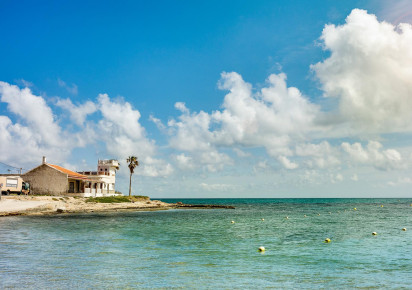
(47, 205)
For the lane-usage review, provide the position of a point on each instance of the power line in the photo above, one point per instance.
(8, 165)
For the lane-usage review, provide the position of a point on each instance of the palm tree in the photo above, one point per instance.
(132, 160)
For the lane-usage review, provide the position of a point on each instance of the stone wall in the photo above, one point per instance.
(46, 180)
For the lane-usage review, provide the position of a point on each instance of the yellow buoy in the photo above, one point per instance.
(354, 208)
(374, 233)
(261, 249)
(287, 217)
(327, 240)
(262, 220)
(318, 213)
(382, 205)
(304, 215)
(404, 229)
(232, 222)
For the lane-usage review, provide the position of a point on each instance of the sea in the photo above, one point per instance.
(215, 248)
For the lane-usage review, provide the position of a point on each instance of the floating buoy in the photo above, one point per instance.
(318, 213)
(262, 220)
(382, 205)
(304, 215)
(374, 233)
(404, 229)
(327, 240)
(330, 213)
(287, 217)
(354, 208)
(232, 222)
(261, 249)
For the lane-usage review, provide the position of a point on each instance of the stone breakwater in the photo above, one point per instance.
(47, 205)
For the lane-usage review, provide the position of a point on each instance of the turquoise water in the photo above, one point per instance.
(203, 249)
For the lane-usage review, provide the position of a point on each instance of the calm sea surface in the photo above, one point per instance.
(203, 249)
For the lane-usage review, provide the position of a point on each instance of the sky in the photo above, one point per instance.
(265, 99)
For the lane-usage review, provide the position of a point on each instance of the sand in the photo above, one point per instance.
(43, 205)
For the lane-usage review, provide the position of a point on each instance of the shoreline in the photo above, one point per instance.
(51, 205)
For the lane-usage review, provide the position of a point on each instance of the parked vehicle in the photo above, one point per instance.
(13, 184)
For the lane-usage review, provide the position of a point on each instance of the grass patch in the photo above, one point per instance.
(118, 199)
(109, 199)
(139, 198)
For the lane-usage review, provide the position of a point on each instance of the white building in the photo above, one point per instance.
(101, 182)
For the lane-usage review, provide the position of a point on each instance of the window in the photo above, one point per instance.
(11, 182)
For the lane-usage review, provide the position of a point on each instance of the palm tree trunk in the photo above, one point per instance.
(130, 186)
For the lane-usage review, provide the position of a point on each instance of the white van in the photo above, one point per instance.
(13, 184)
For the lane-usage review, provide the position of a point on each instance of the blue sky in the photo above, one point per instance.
(217, 98)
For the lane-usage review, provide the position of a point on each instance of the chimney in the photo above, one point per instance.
(44, 160)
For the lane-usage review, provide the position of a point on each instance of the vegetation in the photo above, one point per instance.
(133, 163)
(139, 198)
(109, 199)
(117, 199)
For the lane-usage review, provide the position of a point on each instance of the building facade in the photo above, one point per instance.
(53, 179)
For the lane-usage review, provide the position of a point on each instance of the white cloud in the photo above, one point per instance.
(401, 181)
(34, 111)
(184, 162)
(286, 163)
(217, 187)
(374, 155)
(321, 155)
(123, 135)
(78, 114)
(369, 71)
(241, 153)
(71, 89)
(272, 119)
(157, 122)
(34, 133)
(335, 178)
(262, 167)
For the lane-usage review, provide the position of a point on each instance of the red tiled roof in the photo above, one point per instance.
(71, 174)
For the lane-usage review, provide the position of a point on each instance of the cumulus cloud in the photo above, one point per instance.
(368, 71)
(271, 118)
(35, 131)
(123, 135)
(321, 155)
(287, 163)
(184, 162)
(79, 113)
(374, 155)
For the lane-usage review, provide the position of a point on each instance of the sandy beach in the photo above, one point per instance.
(43, 205)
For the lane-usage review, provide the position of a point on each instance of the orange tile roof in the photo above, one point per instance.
(71, 174)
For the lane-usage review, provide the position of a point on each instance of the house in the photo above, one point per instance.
(53, 179)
